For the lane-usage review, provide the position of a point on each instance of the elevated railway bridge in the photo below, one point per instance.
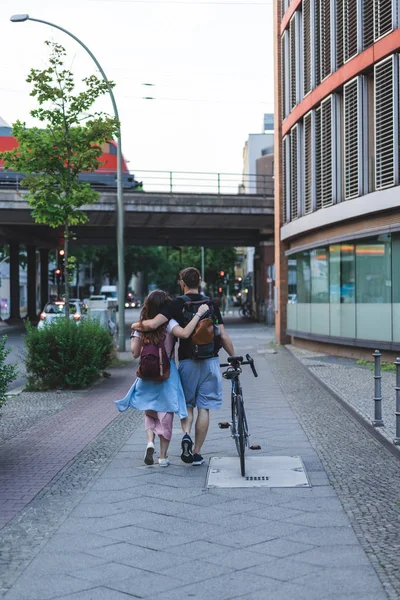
(208, 215)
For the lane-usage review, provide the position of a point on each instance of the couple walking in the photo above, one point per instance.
(197, 323)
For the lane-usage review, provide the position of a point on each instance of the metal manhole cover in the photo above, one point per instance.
(261, 471)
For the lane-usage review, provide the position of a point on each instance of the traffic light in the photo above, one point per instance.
(222, 273)
(60, 266)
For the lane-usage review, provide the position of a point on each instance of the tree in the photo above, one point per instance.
(69, 142)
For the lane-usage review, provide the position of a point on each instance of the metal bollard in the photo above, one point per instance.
(378, 421)
(397, 413)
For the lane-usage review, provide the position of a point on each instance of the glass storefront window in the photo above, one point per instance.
(348, 274)
(319, 276)
(346, 290)
(292, 294)
(396, 286)
(303, 292)
(303, 277)
(373, 273)
(374, 289)
(320, 291)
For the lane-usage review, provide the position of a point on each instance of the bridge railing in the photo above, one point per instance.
(205, 183)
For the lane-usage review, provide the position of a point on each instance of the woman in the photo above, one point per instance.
(159, 400)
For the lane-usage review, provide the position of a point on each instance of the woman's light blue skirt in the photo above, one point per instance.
(167, 396)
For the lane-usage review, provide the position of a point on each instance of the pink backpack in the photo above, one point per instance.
(154, 363)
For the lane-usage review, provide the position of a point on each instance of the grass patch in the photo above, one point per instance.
(385, 366)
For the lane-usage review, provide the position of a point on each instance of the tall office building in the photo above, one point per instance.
(337, 171)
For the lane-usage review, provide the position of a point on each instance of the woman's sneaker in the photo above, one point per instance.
(187, 445)
(148, 457)
(163, 462)
(198, 459)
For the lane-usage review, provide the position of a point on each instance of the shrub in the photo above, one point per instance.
(65, 354)
(7, 372)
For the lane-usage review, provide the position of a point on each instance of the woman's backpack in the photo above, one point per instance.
(154, 362)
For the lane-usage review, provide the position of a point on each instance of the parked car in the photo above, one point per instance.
(132, 301)
(56, 310)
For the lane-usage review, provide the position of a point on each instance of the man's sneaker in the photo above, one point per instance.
(198, 459)
(187, 445)
(148, 457)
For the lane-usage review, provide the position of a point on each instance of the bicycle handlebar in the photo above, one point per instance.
(249, 361)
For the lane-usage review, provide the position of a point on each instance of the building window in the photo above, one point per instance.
(326, 152)
(317, 42)
(292, 62)
(307, 83)
(349, 290)
(285, 176)
(339, 33)
(352, 145)
(350, 22)
(294, 189)
(373, 289)
(368, 23)
(385, 123)
(308, 180)
(326, 62)
(318, 186)
(283, 75)
(383, 18)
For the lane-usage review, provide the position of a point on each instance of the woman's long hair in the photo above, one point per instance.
(151, 308)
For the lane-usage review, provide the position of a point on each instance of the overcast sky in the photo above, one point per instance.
(211, 65)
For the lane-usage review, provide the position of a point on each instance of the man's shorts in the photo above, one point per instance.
(202, 383)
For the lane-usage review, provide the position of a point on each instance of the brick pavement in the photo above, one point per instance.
(30, 460)
(144, 531)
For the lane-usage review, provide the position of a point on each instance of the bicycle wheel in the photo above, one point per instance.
(242, 311)
(242, 434)
(234, 425)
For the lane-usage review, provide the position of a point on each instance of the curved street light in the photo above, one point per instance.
(120, 203)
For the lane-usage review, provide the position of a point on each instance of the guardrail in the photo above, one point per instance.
(185, 182)
(204, 183)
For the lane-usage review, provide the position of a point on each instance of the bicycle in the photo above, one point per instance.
(247, 312)
(239, 428)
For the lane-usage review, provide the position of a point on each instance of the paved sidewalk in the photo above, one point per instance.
(30, 459)
(145, 532)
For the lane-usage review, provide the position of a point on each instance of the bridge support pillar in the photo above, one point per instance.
(263, 282)
(14, 281)
(44, 277)
(31, 259)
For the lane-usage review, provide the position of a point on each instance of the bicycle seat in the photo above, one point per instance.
(230, 374)
(233, 359)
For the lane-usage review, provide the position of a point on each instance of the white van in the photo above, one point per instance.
(111, 293)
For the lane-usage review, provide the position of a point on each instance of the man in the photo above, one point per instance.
(201, 379)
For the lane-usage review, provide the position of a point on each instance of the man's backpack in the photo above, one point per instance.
(154, 362)
(205, 340)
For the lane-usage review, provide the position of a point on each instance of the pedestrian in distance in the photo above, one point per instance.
(157, 389)
(198, 359)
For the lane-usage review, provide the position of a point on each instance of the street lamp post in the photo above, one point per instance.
(120, 201)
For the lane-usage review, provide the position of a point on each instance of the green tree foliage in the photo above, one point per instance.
(68, 142)
(66, 354)
(159, 265)
(8, 373)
